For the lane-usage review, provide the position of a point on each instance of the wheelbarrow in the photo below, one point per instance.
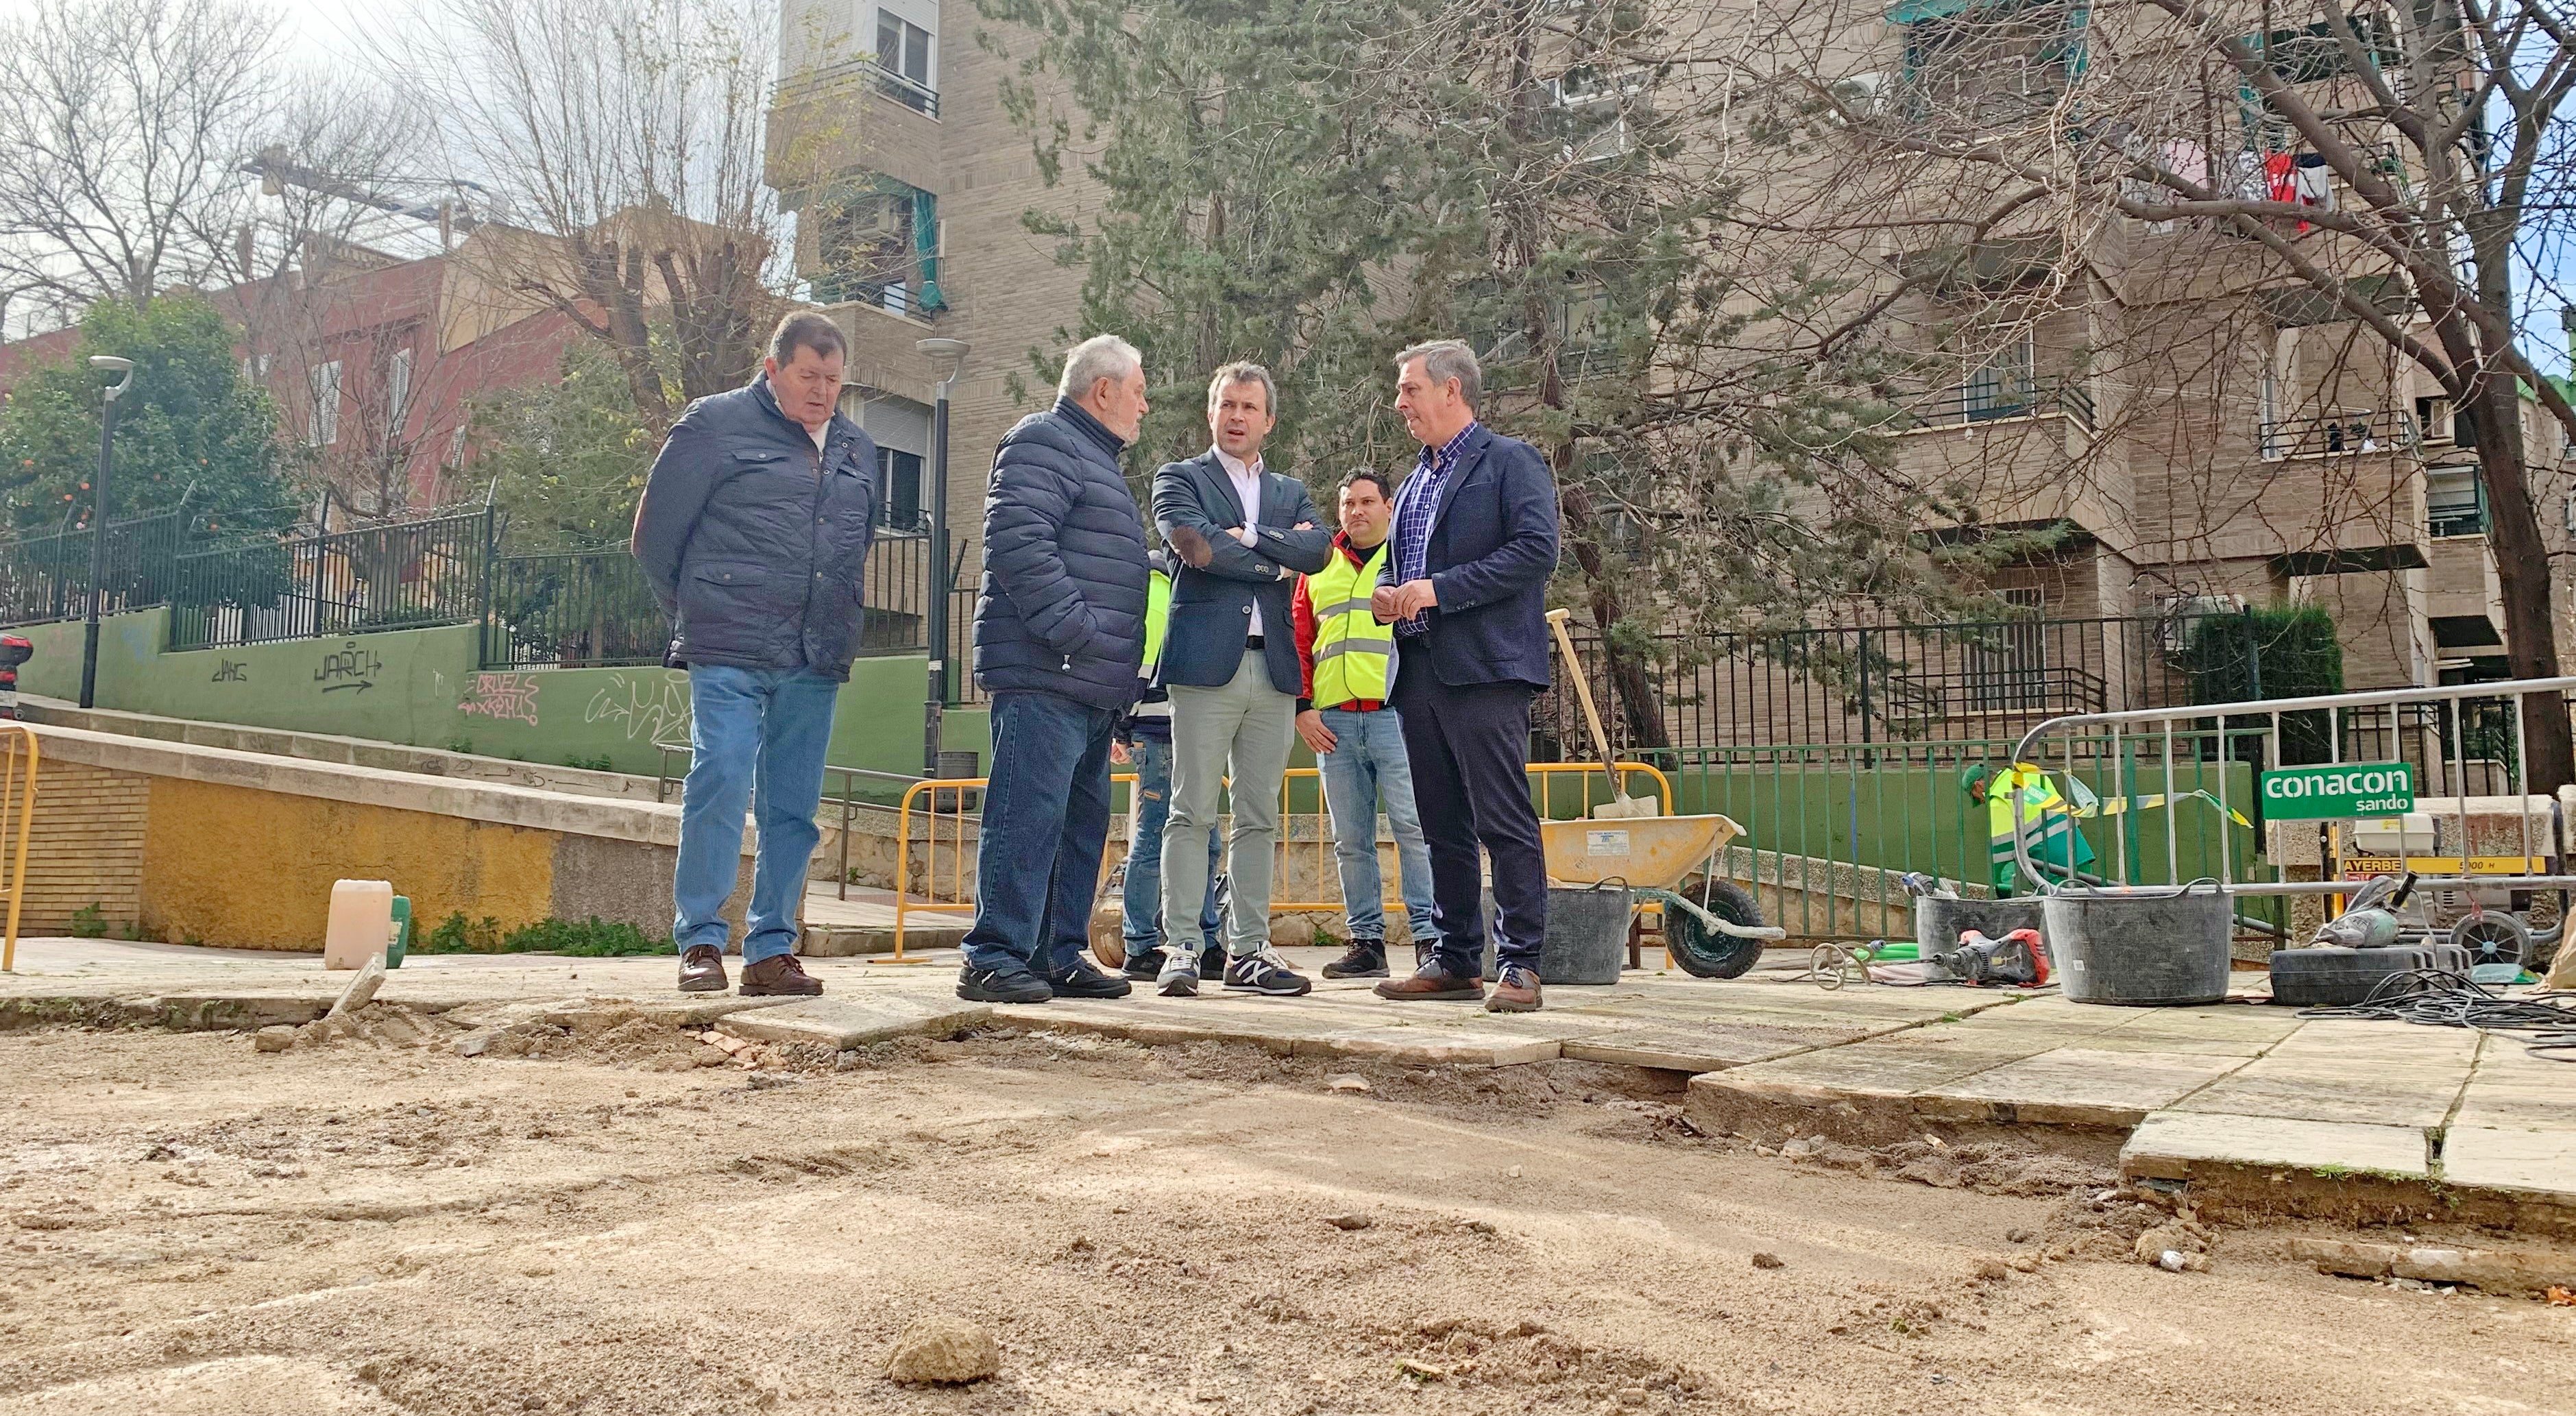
(1719, 935)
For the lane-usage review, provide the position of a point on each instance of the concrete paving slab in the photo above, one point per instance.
(842, 1023)
(2073, 1086)
(1708, 1048)
(2173, 1145)
(2380, 1042)
(2510, 1089)
(1863, 1069)
(2527, 1162)
(2318, 1088)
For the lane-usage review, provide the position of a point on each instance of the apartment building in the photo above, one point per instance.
(2198, 429)
(908, 178)
(2204, 427)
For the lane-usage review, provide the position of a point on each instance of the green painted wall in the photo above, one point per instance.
(424, 687)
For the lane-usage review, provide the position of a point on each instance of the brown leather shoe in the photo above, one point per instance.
(1429, 984)
(1517, 992)
(702, 970)
(778, 976)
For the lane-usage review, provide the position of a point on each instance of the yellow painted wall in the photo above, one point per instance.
(253, 870)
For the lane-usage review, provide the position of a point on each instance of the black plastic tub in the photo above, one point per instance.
(2142, 947)
(1938, 923)
(1587, 935)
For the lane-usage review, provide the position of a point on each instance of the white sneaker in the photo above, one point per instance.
(1180, 975)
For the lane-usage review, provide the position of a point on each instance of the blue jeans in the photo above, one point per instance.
(1046, 822)
(1151, 805)
(1367, 761)
(756, 739)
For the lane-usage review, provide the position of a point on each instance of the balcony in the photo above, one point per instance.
(2338, 435)
(1975, 402)
(817, 83)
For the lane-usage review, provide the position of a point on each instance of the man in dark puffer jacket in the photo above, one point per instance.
(753, 533)
(1059, 634)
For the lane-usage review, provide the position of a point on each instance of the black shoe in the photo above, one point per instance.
(1142, 966)
(1079, 979)
(1212, 961)
(1367, 959)
(1264, 973)
(1003, 985)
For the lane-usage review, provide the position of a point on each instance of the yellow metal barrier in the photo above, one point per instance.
(17, 819)
(951, 792)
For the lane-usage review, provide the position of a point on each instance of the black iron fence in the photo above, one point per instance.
(560, 609)
(42, 577)
(398, 575)
(1874, 683)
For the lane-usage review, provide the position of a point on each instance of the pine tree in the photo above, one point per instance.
(1317, 183)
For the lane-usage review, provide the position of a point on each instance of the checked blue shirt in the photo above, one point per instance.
(1413, 526)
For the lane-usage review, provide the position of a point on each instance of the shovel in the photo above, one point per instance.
(1620, 803)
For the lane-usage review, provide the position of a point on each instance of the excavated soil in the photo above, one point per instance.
(630, 1217)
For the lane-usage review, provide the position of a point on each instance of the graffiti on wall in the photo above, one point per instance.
(653, 707)
(230, 671)
(348, 667)
(502, 697)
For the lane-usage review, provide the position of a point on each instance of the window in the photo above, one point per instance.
(2006, 385)
(456, 448)
(1592, 110)
(323, 428)
(397, 393)
(898, 490)
(1988, 65)
(903, 56)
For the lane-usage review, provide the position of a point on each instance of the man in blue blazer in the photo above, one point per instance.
(1243, 534)
(1466, 589)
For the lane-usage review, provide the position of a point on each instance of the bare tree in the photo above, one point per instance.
(121, 124)
(623, 144)
(2385, 181)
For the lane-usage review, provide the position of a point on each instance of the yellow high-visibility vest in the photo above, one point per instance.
(1352, 650)
(1158, 618)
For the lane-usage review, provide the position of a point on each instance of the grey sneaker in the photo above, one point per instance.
(1264, 973)
(1180, 975)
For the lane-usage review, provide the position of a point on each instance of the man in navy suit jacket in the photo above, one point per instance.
(1466, 589)
(1243, 535)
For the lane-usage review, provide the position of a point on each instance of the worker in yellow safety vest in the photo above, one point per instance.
(2047, 823)
(1356, 735)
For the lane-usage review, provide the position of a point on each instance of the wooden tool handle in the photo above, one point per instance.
(1583, 689)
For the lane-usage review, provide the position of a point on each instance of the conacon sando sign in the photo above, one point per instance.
(2344, 789)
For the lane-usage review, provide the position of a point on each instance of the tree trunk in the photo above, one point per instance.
(1632, 683)
(2522, 572)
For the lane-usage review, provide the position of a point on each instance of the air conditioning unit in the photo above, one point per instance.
(1865, 93)
(2180, 612)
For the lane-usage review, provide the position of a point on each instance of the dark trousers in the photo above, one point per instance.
(1046, 820)
(1469, 748)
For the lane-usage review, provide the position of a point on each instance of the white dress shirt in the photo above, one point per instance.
(1246, 477)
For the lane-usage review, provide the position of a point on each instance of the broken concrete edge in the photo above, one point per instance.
(2317, 1186)
(2516, 1273)
(846, 1026)
(249, 1012)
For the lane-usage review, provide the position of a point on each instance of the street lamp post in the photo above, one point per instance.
(98, 521)
(949, 357)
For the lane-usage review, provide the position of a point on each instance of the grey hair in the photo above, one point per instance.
(1102, 356)
(1245, 371)
(1446, 359)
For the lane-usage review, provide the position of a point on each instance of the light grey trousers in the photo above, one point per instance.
(1246, 726)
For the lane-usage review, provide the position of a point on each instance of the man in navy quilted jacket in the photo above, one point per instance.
(1059, 636)
(753, 533)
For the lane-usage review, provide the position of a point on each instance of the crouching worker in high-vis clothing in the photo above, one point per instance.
(2047, 825)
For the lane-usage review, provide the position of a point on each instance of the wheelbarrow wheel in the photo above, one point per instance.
(1706, 953)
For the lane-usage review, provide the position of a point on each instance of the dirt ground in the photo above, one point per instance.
(632, 1221)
